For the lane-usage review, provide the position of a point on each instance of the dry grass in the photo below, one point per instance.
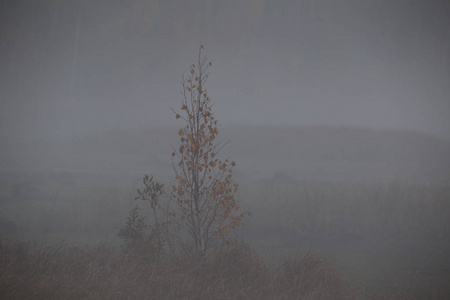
(30, 271)
(66, 272)
(400, 232)
(312, 278)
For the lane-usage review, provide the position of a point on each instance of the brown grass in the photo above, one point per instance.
(30, 271)
(65, 272)
(312, 278)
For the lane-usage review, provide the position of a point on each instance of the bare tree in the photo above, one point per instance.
(204, 194)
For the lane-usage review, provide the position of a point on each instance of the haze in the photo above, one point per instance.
(337, 114)
(72, 68)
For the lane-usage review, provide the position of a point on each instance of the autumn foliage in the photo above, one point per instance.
(204, 193)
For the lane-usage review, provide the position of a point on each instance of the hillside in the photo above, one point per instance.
(299, 153)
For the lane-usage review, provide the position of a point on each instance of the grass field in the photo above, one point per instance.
(370, 241)
(388, 237)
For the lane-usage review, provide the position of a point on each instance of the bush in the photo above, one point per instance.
(135, 237)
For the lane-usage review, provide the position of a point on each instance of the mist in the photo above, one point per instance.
(70, 68)
(336, 113)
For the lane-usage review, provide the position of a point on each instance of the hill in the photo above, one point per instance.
(295, 153)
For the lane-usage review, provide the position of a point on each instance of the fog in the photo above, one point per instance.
(70, 68)
(341, 102)
(76, 73)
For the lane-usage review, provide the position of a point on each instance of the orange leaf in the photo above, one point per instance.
(177, 116)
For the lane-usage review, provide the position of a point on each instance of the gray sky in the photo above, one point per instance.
(69, 68)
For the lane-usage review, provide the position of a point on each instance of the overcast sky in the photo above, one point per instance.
(69, 68)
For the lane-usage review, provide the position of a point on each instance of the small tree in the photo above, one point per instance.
(133, 232)
(152, 193)
(204, 193)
